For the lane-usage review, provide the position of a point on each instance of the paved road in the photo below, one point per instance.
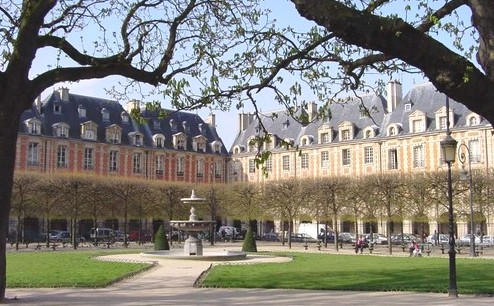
(171, 283)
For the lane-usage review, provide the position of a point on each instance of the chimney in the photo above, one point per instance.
(393, 95)
(211, 120)
(64, 93)
(243, 121)
(132, 104)
(312, 110)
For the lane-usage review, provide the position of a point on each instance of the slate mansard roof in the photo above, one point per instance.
(48, 114)
(422, 98)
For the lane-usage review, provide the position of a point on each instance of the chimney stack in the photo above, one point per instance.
(393, 95)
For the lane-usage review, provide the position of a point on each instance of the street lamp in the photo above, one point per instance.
(464, 175)
(448, 148)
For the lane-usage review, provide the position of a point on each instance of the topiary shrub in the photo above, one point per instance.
(249, 244)
(160, 240)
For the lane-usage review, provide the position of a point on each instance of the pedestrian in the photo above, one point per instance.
(411, 247)
(359, 245)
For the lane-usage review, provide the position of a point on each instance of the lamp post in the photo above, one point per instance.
(463, 176)
(448, 148)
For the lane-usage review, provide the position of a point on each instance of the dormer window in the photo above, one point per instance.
(370, 131)
(417, 122)
(346, 131)
(159, 141)
(408, 107)
(216, 146)
(306, 140)
(61, 130)
(199, 144)
(105, 114)
(180, 141)
(473, 119)
(136, 139)
(114, 134)
(392, 131)
(441, 118)
(88, 130)
(57, 108)
(33, 126)
(81, 111)
(124, 117)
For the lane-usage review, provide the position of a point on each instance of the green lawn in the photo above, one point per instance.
(350, 272)
(65, 269)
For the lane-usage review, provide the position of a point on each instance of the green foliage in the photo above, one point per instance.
(66, 269)
(160, 240)
(345, 272)
(249, 244)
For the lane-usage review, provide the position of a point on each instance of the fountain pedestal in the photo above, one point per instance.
(193, 245)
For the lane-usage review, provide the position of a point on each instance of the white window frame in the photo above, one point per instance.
(137, 163)
(159, 163)
(88, 158)
(286, 162)
(33, 154)
(418, 156)
(181, 166)
(346, 157)
(62, 156)
(304, 161)
(113, 161)
(368, 155)
(325, 159)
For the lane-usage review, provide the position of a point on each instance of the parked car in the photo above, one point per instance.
(465, 239)
(329, 237)
(120, 235)
(141, 236)
(376, 238)
(302, 237)
(62, 236)
(443, 238)
(399, 239)
(270, 237)
(346, 237)
(485, 240)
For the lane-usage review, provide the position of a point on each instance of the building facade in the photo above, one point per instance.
(396, 134)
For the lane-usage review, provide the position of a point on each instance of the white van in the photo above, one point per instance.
(101, 233)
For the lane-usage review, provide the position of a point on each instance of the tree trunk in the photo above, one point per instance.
(9, 124)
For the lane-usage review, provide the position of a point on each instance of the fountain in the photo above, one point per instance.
(193, 245)
(193, 248)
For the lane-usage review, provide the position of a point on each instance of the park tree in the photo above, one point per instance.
(178, 47)
(23, 201)
(329, 195)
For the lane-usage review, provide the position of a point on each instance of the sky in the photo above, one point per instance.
(226, 122)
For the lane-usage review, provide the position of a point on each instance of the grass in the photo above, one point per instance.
(363, 273)
(66, 269)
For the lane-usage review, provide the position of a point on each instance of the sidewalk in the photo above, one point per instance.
(171, 283)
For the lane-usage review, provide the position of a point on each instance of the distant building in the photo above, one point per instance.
(73, 133)
(401, 135)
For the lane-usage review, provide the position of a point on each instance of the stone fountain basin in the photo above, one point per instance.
(208, 255)
(192, 226)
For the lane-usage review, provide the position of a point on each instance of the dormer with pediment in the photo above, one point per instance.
(238, 149)
(252, 144)
(179, 141)
(417, 122)
(136, 139)
(89, 130)
(159, 140)
(306, 140)
(473, 119)
(393, 129)
(199, 143)
(173, 125)
(370, 131)
(113, 134)
(61, 129)
(440, 116)
(216, 146)
(33, 126)
(271, 143)
(325, 134)
(346, 131)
